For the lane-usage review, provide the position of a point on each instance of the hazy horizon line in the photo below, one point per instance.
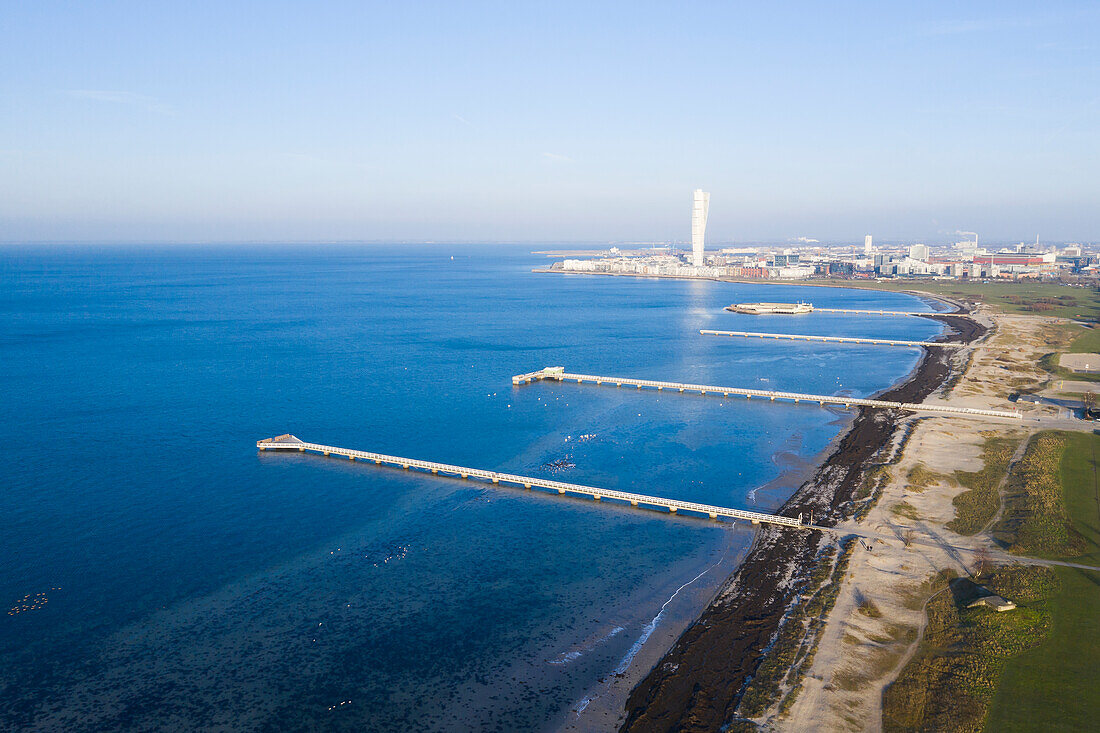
(555, 243)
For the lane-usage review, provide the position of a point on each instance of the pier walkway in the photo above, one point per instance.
(559, 374)
(831, 339)
(876, 313)
(289, 442)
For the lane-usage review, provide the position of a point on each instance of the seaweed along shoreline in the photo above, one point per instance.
(698, 684)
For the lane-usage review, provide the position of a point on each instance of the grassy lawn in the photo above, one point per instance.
(1054, 686)
(1087, 343)
(1049, 363)
(1081, 341)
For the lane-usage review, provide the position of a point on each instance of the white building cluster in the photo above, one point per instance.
(809, 259)
(674, 266)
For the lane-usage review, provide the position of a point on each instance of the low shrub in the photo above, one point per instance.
(975, 507)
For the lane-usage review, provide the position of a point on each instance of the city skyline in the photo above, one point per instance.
(434, 122)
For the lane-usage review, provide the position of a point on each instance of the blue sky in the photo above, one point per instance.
(519, 121)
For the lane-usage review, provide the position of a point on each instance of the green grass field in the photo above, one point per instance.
(1087, 343)
(1054, 686)
(1083, 341)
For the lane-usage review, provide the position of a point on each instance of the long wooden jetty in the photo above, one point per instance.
(290, 442)
(559, 374)
(874, 312)
(831, 339)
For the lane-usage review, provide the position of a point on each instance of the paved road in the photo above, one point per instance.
(932, 541)
(1061, 423)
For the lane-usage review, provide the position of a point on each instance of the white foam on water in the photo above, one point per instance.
(647, 631)
(649, 628)
(574, 655)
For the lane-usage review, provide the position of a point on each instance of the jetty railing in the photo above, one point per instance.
(559, 374)
(877, 312)
(830, 339)
(290, 442)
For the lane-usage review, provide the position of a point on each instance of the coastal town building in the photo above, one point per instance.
(919, 252)
(962, 260)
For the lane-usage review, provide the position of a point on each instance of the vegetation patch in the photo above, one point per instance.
(1087, 342)
(951, 681)
(1053, 686)
(905, 509)
(976, 507)
(872, 479)
(868, 608)
(1035, 521)
(920, 477)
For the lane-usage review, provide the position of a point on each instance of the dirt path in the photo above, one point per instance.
(912, 650)
(1016, 456)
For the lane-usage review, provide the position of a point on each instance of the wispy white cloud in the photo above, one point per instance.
(107, 96)
(557, 157)
(462, 119)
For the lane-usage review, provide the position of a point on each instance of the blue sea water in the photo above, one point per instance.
(163, 574)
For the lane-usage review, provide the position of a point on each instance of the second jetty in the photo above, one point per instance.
(559, 374)
(831, 339)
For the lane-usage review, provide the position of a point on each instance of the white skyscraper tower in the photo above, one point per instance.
(867, 248)
(700, 207)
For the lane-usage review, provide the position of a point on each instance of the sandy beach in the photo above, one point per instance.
(698, 684)
(859, 654)
(832, 675)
